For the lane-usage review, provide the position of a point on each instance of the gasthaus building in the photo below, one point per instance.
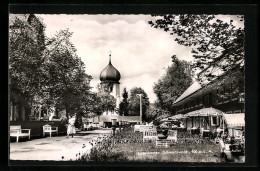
(208, 107)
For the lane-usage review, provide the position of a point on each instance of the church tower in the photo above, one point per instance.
(109, 78)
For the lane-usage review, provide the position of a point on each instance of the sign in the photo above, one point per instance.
(164, 143)
(142, 128)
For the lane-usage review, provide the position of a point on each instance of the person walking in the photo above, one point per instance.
(71, 128)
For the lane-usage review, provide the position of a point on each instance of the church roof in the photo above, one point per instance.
(109, 73)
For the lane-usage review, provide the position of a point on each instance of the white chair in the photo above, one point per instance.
(150, 135)
(172, 135)
(17, 131)
(49, 129)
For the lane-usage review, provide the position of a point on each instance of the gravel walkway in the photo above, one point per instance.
(57, 148)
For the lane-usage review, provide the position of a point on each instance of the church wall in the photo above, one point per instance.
(116, 93)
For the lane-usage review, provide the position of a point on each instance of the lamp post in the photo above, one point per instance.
(140, 95)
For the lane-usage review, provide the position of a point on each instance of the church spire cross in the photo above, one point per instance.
(110, 56)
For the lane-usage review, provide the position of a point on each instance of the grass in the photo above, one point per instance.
(128, 146)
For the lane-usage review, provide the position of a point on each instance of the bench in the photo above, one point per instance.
(172, 135)
(150, 135)
(17, 131)
(49, 129)
(87, 127)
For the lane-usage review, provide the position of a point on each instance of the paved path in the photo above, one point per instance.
(55, 148)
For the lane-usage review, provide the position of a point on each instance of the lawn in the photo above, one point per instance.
(128, 146)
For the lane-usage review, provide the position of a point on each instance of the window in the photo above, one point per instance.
(237, 111)
(208, 100)
(220, 95)
(227, 93)
(217, 96)
(234, 92)
(228, 112)
(214, 120)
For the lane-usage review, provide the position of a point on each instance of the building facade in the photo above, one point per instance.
(208, 106)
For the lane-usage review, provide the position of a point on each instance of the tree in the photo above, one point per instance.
(46, 71)
(170, 86)
(26, 47)
(155, 114)
(101, 102)
(68, 84)
(134, 102)
(217, 46)
(124, 105)
(151, 114)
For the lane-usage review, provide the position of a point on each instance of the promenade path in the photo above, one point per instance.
(56, 148)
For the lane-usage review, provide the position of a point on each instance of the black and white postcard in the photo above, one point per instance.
(166, 87)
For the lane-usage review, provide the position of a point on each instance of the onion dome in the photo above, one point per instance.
(110, 73)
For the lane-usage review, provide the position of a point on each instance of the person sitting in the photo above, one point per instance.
(198, 130)
(165, 132)
(174, 126)
(232, 140)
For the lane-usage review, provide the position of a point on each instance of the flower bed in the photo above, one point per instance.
(129, 146)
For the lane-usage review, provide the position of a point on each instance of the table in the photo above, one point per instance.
(205, 133)
(194, 131)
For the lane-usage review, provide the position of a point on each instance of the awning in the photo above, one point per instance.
(192, 114)
(209, 111)
(164, 120)
(234, 120)
(204, 112)
(178, 116)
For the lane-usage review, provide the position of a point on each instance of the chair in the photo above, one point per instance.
(16, 131)
(150, 135)
(49, 129)
(172, 135)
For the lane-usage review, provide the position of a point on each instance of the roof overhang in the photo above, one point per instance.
(234, 120)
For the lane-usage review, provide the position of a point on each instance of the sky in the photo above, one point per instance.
(139, 52)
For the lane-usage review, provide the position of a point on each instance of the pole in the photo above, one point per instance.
(141, 109)
(140, 95)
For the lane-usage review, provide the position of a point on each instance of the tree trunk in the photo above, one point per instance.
(40, 111)
(47, 110)
(28, 111)
(67, 112)
(19, 111)
(22, 112)
(15, 112)
(11, 112)
(56, 112)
